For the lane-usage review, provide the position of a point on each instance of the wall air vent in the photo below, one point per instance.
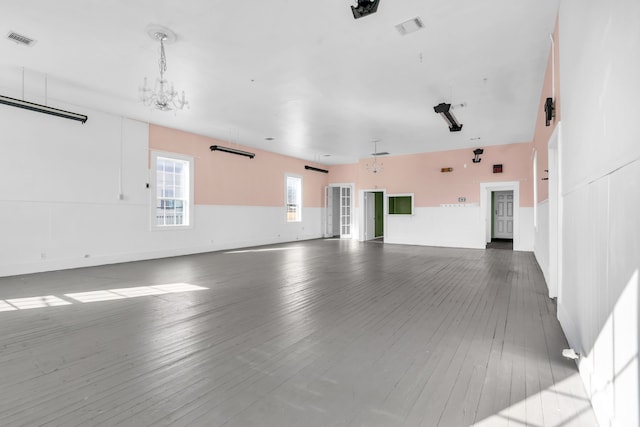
(410, 26)
(20, 39)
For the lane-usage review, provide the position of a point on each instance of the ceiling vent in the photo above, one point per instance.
(410, 26)
(20, 39)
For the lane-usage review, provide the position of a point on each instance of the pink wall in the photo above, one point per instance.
(543, 132)
(343, 174)
(227, 179)
(420, 174)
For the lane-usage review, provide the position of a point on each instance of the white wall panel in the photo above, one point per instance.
(599, 86)
(526, 238)
(437, 226)
(598, 294)
(458, 227)
(51, 236)
(541, 238)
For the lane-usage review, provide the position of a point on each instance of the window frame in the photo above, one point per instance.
(392, 196)
(189, 205)
(286, 197)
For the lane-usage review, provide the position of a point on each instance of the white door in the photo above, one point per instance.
(503, 214)
(369, 216)
(345, 212)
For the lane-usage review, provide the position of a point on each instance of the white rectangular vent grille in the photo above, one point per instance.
(410, 26)
(20, 39)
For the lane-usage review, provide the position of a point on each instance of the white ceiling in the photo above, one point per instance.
(303, 72)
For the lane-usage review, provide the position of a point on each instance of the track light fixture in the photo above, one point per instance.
(232, 151)
(444, 111)
(364, 8)
(42, 109)
(477, 153)
(311, 168)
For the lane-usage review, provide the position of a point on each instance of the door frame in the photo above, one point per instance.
(326, 204)
(362, 212)
(486, 188)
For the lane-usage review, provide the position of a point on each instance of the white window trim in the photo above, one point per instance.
(153, 193)
(292, 175)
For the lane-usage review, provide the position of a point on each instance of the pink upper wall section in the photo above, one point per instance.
(543, 132)
(228, 179)
(344, 174)
(421, 174)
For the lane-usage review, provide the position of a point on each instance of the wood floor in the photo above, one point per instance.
(317, 333)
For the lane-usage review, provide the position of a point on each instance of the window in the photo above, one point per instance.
(401, 205)
(173, 190)
(293, 195)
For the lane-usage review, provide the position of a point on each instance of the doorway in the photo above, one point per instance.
(374, 215)
(338, 208)
(488, 209)
(501, 220)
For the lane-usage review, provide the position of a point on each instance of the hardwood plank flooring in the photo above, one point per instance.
(316, 333)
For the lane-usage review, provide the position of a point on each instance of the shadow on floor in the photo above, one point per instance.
(501, 244)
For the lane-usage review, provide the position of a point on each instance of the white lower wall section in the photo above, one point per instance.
(458, 227)
(51, 236)
(524, 240)
(599, 293)
(436, 226)
(541, 238)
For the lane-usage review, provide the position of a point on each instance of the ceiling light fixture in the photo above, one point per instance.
(312, 168)
(163, 96)
(444, 111)
(364, 8)
(375, 167)
(232, 151)
(42, 109)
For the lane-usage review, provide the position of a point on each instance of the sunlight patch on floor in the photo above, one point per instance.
(12, 304)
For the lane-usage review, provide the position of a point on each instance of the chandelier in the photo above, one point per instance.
(375, 166)
(162, 96)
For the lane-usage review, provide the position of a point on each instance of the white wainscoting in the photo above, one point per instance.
(437, 226)
(541, 238)
(458, 227)
(49, 236)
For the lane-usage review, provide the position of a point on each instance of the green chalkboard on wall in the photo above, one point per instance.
(400, 205)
